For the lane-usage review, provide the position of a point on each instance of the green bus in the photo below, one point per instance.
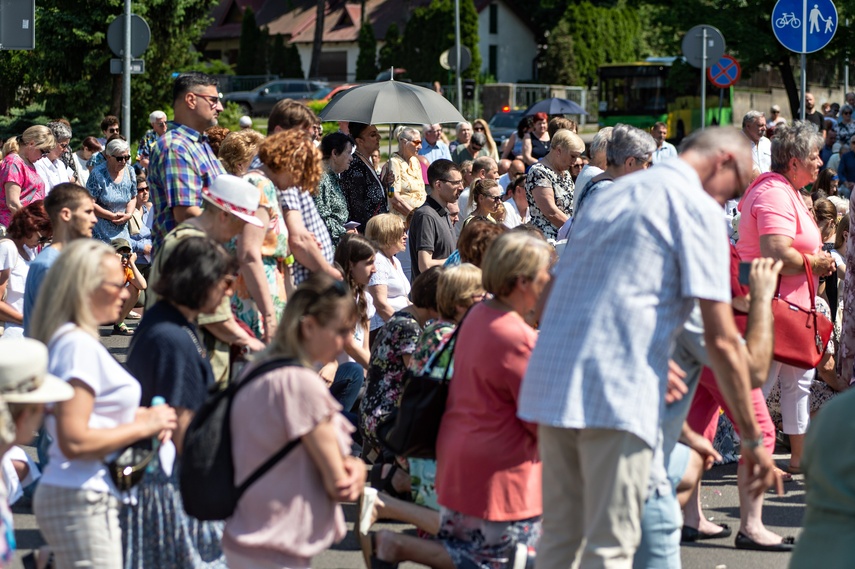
(660, 89)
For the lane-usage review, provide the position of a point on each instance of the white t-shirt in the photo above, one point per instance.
(391, 274)
(82, 170)
(53, 173)
(512, 214)
(20, 265)
(74, 354)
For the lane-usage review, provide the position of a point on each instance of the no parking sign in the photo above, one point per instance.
(724, 72)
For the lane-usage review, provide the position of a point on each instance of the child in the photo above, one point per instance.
(134, 281)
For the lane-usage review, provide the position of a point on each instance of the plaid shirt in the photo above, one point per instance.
(181, 165)
(146, 143)
(645, 249)
(295, 199)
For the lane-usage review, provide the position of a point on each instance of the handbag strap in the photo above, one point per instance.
(447, 345)
(811, 287)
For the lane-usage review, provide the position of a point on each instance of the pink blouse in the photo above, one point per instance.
(14, 169)
(771, 206)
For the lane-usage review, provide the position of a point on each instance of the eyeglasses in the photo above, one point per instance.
(113, 130)
(496, 199)
(63, 145)
(121, 158)
(214, 100)
(452, 182)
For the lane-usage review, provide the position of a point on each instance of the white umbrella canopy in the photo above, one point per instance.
(391, 102)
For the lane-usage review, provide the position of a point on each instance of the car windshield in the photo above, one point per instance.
(505, 120)
(321, 93)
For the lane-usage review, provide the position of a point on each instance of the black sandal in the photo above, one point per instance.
(368, 545)
(376, 480)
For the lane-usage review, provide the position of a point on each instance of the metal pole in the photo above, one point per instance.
(804, 57)
(457, 50)
(126, 74)
(846, 68)
(704, 80)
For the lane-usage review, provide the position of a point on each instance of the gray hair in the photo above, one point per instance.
(795, 140)
(483, 163)
(711, 141)
(59, 130)
(117, 147)
(479, 139)
(156, 116)
(462, 124)
(846, 108)
(406, 133)
(629, 142)
(601, 141)
(752, 116)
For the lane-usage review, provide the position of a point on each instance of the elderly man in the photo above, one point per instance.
(433, 148)
(157, 120)
(664, 149)
(517, 168)
(599, 410)
(464, 133)
(182, 165)
(754, 128)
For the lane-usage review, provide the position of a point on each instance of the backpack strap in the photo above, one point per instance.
(284, 451)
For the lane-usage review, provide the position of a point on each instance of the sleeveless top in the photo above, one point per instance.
(539, 149)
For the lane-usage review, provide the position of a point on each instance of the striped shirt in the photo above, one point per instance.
(645, 248)
(181, 165)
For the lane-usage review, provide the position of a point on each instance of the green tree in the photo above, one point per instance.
(559, 59)
(81, 85)
(252, 48)
(366, 62)
(391, 47)
(430, 31)
(285, 59)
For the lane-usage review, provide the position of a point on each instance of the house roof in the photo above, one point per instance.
(295, 19)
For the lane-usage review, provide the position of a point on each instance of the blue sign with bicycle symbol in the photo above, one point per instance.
(804, 26)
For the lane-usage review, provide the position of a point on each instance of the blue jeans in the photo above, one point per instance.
(346, 385)
(660, 533)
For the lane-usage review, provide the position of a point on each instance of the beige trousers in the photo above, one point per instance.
(594, 486)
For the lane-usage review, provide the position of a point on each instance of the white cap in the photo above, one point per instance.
(24, 377)
(236, 196)
(245, 122)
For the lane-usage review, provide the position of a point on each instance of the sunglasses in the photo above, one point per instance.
(214, 100)
(496, 199)
(125, 256)
(121, 158)
(113, 130)
(142, 189)
(476, 147)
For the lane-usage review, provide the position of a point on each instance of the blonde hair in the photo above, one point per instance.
(568, 140)
(293, 152)
(456, 287)
(512, 255)
(39, 136)
(321, 297)
(68, 287)
(491, 143)
(238, 148)
(385, 229)
(11, 146)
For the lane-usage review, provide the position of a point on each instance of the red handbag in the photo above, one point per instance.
(801, 334)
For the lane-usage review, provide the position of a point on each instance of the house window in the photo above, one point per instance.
(494, 18)
(493, 63)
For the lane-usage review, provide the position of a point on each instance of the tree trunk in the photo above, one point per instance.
(319, 37)
(116, 105)
(786, 69)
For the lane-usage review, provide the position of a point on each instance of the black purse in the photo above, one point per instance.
(412, 428)
(127, 469)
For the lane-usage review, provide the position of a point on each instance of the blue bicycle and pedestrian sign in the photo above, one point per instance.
(804, 26)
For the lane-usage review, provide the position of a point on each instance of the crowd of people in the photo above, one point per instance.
(590, 316)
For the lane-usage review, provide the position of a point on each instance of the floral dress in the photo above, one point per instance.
(274, 250)
(363, 191)
(386, 370)
(423, 470)
(409, 184)
(113, 197)
(14, 169)
(562, 186)
(332, 207)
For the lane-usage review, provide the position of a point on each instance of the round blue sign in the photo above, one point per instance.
(804, 26)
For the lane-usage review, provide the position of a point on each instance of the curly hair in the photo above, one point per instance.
(238, 148)
(216, 135)
(475, 238)
(293, 152)
(28, 220)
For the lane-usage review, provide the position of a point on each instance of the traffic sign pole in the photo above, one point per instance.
(804, 57)
(704, 81)
(126, 75)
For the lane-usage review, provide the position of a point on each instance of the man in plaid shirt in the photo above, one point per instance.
(182, 163)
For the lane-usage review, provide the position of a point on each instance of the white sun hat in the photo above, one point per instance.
(236, 196)
(24, 377)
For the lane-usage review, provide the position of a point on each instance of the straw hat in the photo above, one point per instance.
(24, 377)
(236, 196)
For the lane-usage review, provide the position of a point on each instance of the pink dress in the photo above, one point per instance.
(14, 169)
(286, 517)
(771, 206)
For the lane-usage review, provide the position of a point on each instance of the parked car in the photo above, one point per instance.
(326, 94)
(503, 124)
(260, 101)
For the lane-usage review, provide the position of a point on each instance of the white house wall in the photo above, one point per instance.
(516, 44)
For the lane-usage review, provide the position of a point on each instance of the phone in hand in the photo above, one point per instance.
(744, 272)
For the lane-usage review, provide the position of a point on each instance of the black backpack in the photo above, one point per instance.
(207, 476)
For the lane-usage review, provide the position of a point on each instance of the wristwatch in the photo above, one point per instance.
(752, 443)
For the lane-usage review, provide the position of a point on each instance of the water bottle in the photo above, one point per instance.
(155, 442)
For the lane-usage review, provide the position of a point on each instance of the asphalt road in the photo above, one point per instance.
(782, 514)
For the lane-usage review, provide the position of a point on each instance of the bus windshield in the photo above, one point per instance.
(633, 89)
